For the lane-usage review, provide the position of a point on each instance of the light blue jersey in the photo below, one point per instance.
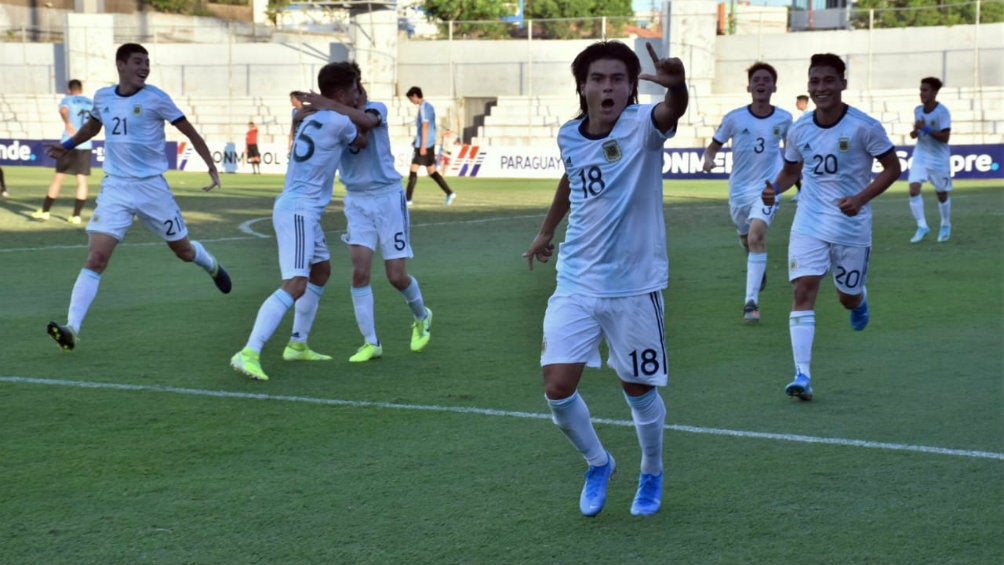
(79, 108)
(134, 130)
(756, 150)
(930, 153)
(426, 113)
(837, 162)
(371, 169)
(615, 242)
(317, 151)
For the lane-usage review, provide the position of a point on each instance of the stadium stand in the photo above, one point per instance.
(977, 116)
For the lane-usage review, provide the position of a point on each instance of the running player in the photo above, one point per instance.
(932, 159)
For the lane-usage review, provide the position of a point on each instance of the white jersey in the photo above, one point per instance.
(134, 130)
(930, 153)
(615, 243)
(756, 150)
(371, 169)
(317, 150)
(837, 162)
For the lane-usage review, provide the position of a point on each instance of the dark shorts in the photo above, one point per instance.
(75, 162)
(253, 152)
(425, 160)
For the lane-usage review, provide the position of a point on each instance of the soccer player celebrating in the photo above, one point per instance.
(133, 114)
(612, 266)
(304, 260)
(377, 214)
(932, 160)
(756, 131)
(832, 229)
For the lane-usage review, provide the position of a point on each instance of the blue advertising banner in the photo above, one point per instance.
(31, 153)
(968, 162)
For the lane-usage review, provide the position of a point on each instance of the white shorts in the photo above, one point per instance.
(809, 256)
(941, 180)
(379, 219)
(148, 199)
(755, 210)
(633, 326)
(301, 241)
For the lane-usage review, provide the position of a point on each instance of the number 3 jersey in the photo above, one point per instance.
(134, 130)
(836, 162)
(615, 242)
(756, 150)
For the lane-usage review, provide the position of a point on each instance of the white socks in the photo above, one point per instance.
(269, 316)
(756, 264)
(649, 414)
(917, 209)
(362, 303)
(802, 327)
(413, 296)
(305, 310)
(571, 415)
(84, 291)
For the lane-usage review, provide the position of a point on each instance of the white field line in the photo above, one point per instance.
(505, 413)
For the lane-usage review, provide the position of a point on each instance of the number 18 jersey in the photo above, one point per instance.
(615, 242)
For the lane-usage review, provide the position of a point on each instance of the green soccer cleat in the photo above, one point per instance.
(64, 335)
(421, 332)
(298, 351)
(221, 278)
(366, 352)
(247, 362)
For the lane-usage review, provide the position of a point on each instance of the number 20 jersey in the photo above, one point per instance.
(836, 162)
(615, 243)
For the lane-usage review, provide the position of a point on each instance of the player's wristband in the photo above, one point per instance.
(926, 129)
(68, 144)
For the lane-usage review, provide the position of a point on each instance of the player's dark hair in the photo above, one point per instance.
(127, 50)
(828, 60)
(605, 50)
(75, 84)
(336, 76)
(802, 97)
(933, 82)
(761, 66)
(414, 91)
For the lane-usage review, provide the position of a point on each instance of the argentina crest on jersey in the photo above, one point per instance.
(137, 109)
(611, 151)
(844, 144)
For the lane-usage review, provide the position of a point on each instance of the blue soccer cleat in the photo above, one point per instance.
(944, 234)
(594, 491)
(648, 499)
(920, 235)
(800, 387)
(860, 315)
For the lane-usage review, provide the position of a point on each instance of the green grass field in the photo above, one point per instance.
(143, 446)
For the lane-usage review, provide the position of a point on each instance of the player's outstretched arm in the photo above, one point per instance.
(709, 156)
(199, 144)
(541, 247)
(87, 131)
(671, 74)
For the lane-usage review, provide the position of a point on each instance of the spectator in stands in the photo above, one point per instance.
(832, 229)
(612, 266)
(425, 146)
(134, 185)
(932, 159)
(3, 185)
(304, 259)
(294, 99)
(74, 109)
(251, 150)
(757, 131)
